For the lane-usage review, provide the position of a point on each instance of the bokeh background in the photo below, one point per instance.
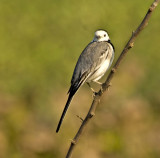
(40, 42)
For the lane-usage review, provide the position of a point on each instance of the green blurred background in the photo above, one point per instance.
(40, 42)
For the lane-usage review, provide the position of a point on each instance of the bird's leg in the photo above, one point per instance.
(91, 88)
(94, 92)
(98, 82)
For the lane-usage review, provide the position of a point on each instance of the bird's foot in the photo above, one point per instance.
(93, 91)
(94, 94)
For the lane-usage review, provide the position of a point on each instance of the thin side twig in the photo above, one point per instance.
(106, 84)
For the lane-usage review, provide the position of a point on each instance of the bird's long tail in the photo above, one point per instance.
(73, 89)
(64, 111)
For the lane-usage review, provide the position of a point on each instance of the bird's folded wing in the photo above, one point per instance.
(89, 61)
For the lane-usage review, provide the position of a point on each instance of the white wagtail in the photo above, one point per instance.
(92, 64)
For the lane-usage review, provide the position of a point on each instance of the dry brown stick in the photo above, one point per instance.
(106, 84)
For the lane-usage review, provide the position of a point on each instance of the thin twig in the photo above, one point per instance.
(106, 84)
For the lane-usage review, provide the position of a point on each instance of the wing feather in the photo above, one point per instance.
(90, 60)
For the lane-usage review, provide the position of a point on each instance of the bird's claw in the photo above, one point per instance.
(94, 94)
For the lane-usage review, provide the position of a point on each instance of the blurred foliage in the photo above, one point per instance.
(40, 42)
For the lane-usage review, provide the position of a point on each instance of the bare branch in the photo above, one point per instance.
(106, 84)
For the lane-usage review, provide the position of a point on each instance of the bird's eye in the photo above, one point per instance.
(104, 35)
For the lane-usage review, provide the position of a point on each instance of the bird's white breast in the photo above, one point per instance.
(104, 66)
(101, 71)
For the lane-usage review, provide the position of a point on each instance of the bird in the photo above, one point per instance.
(92, 64)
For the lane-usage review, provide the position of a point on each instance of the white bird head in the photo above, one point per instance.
(101, 35)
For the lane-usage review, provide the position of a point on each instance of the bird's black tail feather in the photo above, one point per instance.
(64, 111)
(73, 89)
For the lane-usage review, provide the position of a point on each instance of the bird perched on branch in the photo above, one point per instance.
(92, 64)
